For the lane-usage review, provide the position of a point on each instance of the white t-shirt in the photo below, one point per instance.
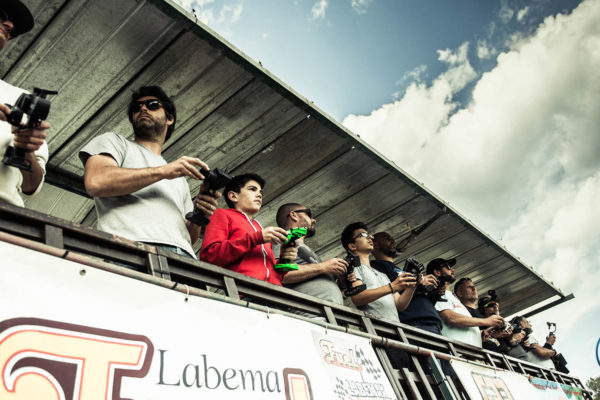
(155, 213)
(469, 335)
(11, 178)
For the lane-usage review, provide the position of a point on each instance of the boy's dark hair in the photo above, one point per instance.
(348, 233)
(167, 103)
(238, 182)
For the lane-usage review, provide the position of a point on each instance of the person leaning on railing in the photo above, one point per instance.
(314, 276)
(138, 195)
(492, 337)
(458, 322)
(15, 183)
(528, 348)
(235, 240)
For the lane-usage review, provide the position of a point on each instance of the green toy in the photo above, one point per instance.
(286, 265)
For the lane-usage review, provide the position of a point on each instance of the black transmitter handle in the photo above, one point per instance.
(215, 179)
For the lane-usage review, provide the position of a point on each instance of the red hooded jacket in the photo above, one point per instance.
(234, 241)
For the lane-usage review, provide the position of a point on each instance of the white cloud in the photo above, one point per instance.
(360, 6)
(506, 12)
(265, 35)
(522, 159)
(522, 13)
(230, 14)
(196, 4)
(485, 51)
(206, 17)
(318, 10)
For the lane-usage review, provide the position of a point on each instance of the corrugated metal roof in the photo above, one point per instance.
(234, 114)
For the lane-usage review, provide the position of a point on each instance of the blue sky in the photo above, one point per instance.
(492, 104)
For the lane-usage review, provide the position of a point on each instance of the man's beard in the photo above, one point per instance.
(148, 128)
(390, 252)
(310, 231)
(447, 278)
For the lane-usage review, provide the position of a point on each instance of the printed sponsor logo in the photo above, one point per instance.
(491, 387)
(42, 359)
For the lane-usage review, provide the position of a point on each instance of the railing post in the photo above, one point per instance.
(53, 236)
(385, 361)
(158, 265)
(446, 387)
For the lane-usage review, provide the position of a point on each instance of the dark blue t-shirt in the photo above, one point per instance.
(420, 310)
(388, 268)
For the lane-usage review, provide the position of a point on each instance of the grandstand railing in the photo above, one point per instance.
(420, 378)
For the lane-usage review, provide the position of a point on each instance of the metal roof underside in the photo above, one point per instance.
(233, 114)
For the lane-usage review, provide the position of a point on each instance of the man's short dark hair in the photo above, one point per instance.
(284, 211)
(460, 282)
(238, 182)
(348, 233)
(166, 101)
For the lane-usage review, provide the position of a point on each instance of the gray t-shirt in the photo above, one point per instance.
(322, 286)
(154, 214)
(384, 306)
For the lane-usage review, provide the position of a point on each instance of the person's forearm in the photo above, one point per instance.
(304, 272)
(542, 352)
(110, 181)
(462, 321)
(31, 180)
(369, 295)
(403, 300)
(194, 231)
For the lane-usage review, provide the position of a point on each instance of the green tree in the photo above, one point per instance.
(594, 384)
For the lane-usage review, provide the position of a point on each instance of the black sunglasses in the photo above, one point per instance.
(151, 105)
(306, 211)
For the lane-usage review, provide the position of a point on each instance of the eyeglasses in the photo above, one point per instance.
(363, 234)
(151, 105)
(306, 211)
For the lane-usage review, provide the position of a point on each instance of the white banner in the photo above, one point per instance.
(489, 384)
(68, 331)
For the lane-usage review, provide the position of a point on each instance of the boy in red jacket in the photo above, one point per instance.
(234, 240)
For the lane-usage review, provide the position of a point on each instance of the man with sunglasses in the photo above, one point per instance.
(17, 184)
(314, 276)
(458, 324)
(138, 195)
(382, 297)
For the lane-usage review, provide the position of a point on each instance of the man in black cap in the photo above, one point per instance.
(16, 184)
(458, 322)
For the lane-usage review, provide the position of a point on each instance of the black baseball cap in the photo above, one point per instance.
(19, 15)
(439, 263)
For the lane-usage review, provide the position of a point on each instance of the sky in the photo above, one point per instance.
(493, 105)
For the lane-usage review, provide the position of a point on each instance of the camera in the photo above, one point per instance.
(35, 107)
(353, 262)
(214, 179)
(413, 266)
